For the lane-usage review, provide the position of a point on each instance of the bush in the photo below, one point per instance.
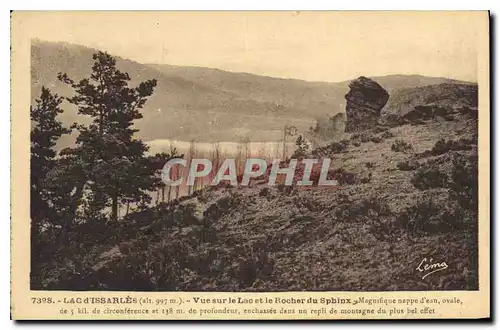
(442, 146)
(302, 147)
(342, 176)
(252, 267)
(386, 135)
(286, 190)
(335, 148)
(401, 146)
(264, 192)
(308, 203)
(464, 183)
(363, 137)
(468, 112)
(428, 178)
(407, 166)
(367, 178)
(338, 147)
(365, 209)
(221, 207)
(428, 216)
(378, 129)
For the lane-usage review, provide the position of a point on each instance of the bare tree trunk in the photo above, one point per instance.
(284, 143)
(192, 151)
(114, 208)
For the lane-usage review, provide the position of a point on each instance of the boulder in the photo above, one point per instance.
(365, 101)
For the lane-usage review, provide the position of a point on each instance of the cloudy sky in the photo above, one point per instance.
(316, 46)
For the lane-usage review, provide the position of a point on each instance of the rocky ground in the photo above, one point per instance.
(407, 191)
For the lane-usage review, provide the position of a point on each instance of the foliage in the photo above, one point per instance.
(428, 216)
(46, 130)
(443, 146)
(386, 135)
(338, 147)
(401, 146)
(428, 178)
(302, 146)
(407, 166)
(364, 209)
(115, 167)
(464, 183)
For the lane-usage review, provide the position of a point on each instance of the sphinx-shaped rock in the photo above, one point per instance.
(365, 100)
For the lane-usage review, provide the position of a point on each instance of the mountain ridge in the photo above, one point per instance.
(206, 104)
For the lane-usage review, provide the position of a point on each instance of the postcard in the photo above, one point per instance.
(250, 165)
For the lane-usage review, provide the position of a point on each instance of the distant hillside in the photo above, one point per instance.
(455, 96)
(206, 104)
(223, 106)
(396, 82)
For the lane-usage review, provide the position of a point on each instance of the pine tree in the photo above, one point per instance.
(302, 146)
(113, 162)
(46, 130)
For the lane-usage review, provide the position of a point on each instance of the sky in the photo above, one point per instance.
(314, 46)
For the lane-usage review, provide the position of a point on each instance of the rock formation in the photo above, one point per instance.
(365, 100)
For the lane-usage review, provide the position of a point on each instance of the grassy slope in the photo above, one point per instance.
(299, 241)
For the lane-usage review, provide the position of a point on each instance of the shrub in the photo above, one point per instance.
(264, 192)
(286, 190)
(468, 112)
(428, 216)
(407, 166)
(221, 207)
(428, 178)
(307, 202)
(442, 146)
(365, 138)
(302, 147)
(401, 146)
(342, 176)
(464, 183)
(379, 129)
(338, 147)
(386, 135)
(334, 147)
(252, 267)
(362, 136)
(366, 179)
(365, 209)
